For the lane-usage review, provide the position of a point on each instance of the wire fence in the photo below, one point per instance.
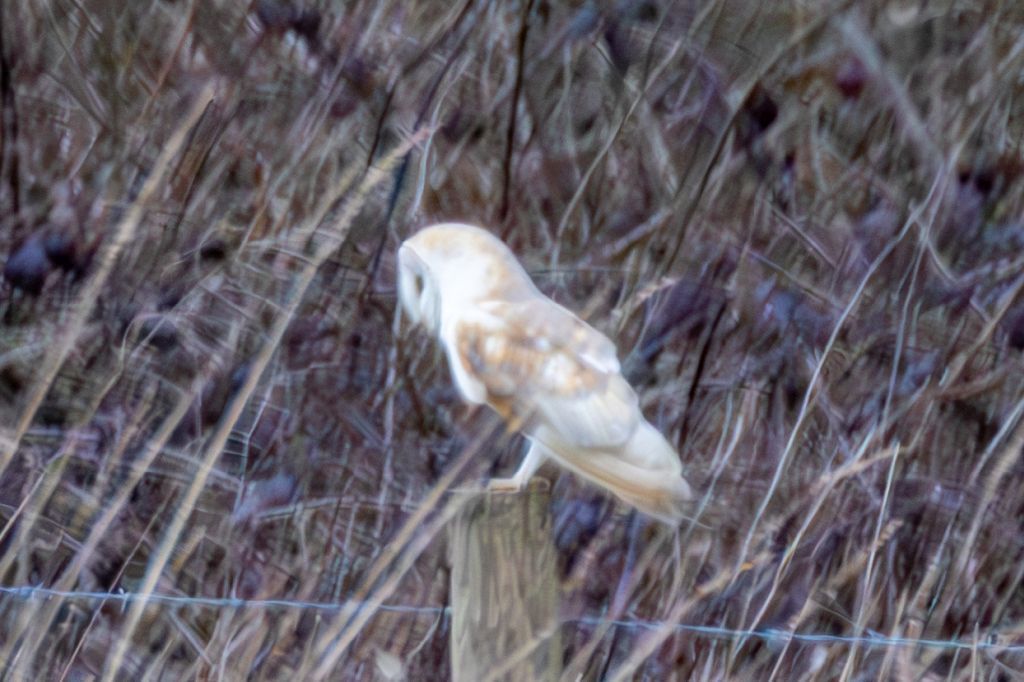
(994, 641)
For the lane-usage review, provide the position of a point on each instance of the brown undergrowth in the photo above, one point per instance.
(801, 224)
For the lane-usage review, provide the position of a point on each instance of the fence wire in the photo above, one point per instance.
(994, 641)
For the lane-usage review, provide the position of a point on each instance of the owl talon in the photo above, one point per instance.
(542, 484)
(504, 485)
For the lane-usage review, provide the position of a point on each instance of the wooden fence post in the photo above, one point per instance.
(504, 589)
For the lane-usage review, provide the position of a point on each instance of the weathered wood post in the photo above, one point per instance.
(504, 589)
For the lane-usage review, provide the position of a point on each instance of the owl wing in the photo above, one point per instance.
(536, 360)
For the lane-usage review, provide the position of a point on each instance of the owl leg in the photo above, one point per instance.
(535, 456)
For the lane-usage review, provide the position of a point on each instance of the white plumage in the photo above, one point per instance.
(542, 368)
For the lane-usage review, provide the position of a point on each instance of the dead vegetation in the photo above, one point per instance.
(801, 223)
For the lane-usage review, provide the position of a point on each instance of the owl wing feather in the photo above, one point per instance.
(536, 360)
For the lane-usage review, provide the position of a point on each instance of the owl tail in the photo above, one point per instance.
(645, 473)
(667, 503)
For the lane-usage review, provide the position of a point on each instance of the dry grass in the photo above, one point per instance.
(801, 223)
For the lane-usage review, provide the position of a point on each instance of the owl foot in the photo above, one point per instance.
(504, 485)
(515, 485)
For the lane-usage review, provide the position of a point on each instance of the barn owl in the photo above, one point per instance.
(544, 370)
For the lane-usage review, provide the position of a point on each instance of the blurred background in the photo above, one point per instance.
(800, 222)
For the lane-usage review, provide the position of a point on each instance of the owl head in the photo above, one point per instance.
(445, 267)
